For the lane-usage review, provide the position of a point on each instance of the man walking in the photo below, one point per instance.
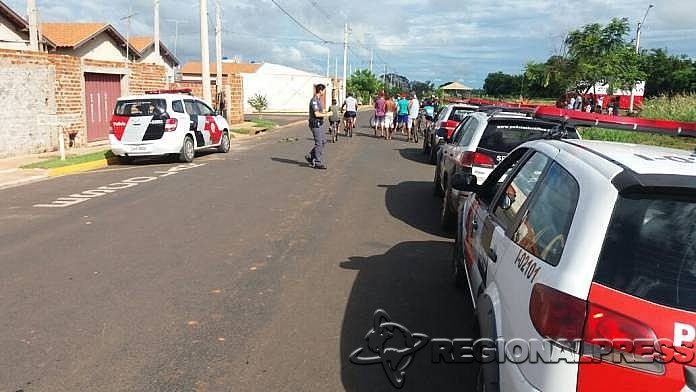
(380, 108)
(315, 158)
(389, 115)
(413, 111)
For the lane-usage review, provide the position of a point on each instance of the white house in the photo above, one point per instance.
(288, 90)
(14, 31)
(146, 46)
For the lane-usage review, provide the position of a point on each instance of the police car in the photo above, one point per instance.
(478, 144)
(580, 243)
(168, 122)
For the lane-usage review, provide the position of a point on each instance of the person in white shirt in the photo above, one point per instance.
(571, 104)
(350, 105)
(413, 109)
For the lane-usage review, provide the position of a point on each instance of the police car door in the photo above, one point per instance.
(504, 211)
(195, 121)
(211, 132)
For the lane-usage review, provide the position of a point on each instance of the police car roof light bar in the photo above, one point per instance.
(187, 91)
(576, 118)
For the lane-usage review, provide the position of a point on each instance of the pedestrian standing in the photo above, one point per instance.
(413, 112)
(380, 107)
(571, 104)
(389, 115)
(578, 102)
(315, 158)
(402, 120)
(600, 104)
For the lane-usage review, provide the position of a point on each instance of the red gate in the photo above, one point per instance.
(101, 92)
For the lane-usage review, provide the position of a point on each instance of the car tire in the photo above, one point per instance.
(437, 183)
(224, 146)
(458, 265)
(447, 218)
(426, 148)
(187, 150)
(433, 154)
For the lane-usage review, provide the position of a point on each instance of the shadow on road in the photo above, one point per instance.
(411, 282)
(414, 154)
(413, 203)
(290, 162)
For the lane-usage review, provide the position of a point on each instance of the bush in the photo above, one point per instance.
(679, 108)
(258, 102)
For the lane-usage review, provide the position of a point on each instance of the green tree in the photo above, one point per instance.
(422, 89)
(668, 75)
(545, 80)
(602, 54)
(499, 84)
(259, 103)
(364, 84)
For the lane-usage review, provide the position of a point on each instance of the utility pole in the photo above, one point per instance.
(372, 52)
(640, 26)
(345, 61)
(156, 24)
(218, 47)
(128, 18)
(328, 61)
(384, 78)
(205, 55)
(32, 18)
(176, 32)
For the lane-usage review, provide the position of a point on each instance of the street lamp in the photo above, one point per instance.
(640, 26)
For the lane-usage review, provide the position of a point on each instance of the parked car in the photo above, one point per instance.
(581, 243)
(447, 119)
(477, 146)
(170, 122)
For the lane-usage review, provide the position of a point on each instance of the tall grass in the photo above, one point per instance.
(679, 108)
(617, 135)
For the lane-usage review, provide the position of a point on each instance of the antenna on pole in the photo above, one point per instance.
(176, 31)
(128, 18)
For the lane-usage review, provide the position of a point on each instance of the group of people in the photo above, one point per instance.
(592, 104)
(399, 113)
(392, 114)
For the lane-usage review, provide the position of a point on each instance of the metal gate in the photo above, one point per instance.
(101, 92)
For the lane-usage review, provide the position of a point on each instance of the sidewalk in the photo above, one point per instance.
(11, 173)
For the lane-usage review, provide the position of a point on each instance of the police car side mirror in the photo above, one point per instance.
(465, 182)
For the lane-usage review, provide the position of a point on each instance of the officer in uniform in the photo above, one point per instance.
(315, 158)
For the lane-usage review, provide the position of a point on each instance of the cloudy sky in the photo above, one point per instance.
(439, 40)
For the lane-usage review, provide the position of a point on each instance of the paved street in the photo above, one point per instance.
(247, 271)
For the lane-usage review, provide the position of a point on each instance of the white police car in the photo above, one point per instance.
(581, 243)
(168, 122)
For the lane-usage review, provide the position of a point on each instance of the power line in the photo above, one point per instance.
(297, 22)
(317, 6)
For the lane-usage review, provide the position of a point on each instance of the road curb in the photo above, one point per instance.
(78, 168)
(22, 181)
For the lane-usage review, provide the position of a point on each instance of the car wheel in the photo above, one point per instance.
(224, 146)
(437, 182)
(458, 265)
(426, 149)
(187, 150)
(447, 218)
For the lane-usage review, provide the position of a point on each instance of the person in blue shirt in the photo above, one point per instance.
(402, 110)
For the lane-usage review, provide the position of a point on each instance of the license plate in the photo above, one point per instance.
(139, 148)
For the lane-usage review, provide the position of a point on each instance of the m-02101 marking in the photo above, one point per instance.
(673, 158)
(529, 267)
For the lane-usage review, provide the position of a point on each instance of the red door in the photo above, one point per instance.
(101, 92)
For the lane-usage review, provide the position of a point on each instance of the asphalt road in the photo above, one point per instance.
(248, 271)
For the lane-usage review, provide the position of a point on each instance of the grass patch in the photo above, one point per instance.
(73, 160)
(615, 135)
(243, 131)
(679, 108)
(263, 123)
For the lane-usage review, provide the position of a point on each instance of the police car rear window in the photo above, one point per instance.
(140, 107)
(458, 114)
(650, 250)
(505, 136)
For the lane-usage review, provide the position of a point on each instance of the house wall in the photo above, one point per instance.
(49, 91)
(149, 57)
(285, 92)
(102, 48)
(8, 33)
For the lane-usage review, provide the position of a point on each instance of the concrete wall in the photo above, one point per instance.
(286, 92)
(8, 33)
(46, 92)
(29, 117)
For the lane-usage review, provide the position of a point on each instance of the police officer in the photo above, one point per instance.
(315, 158)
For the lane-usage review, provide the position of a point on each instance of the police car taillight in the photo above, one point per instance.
(557, 316)
(170, 125)
(470, 158)
(619, 339)
(593, 331)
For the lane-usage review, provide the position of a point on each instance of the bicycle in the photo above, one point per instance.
(333, 130)
(349, 124)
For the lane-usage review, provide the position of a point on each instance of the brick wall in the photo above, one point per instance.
(47, 92)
